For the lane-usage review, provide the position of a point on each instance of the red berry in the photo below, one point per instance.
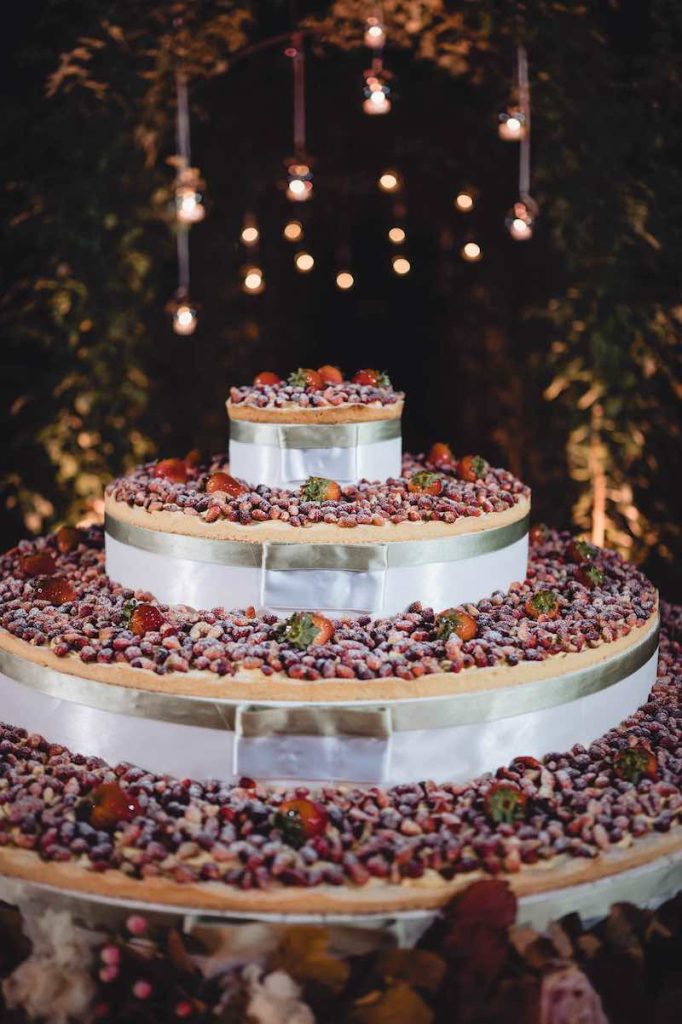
(425, 483)
(299, 820)
(146, 618)
(304, 377)
(441, 454)
(56, 589)
(635, 763)
(39, 564)
(538, 533)
(504, 803)
(330, 374)
(589, 575)
(472, 468)
(266, 379)
(225, 484)
(108, 806)
(544, 602)
(305, 629)
(372, 378)
(68, 538)
(184, 1008)
(318, 488)
(174, 470)
(453, 621)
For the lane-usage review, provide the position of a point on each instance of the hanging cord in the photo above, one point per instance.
(524, 102)
(299, 94)
(182, 121)
(182, 237)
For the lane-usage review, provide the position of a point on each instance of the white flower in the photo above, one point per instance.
(275, 998)
(54, 983)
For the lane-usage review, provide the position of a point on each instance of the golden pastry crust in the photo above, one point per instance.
(252, 685)
(317, 533)
(426, 893)
(348, 413)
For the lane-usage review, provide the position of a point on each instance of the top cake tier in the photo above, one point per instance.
(315, 424)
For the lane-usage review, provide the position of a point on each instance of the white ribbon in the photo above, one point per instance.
(289, 467)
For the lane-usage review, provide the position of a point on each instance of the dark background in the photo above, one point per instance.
(93, 378)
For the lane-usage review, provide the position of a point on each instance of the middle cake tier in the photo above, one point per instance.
(369, 548)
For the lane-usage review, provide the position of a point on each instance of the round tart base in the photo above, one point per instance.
(348, 413)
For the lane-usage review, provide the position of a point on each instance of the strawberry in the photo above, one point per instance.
(300, 820)
(226, 484)
(68, 538)
(589, 575)
(453, 621)
(635, 763)
(41, 563)
(107, 806)
(505, 803)
(318, 488)
(193, 458)
(372, 378)
(472, 468)
(538, 533)
(305, 629)
(174, 470)
(330, 374)
(580, 551)
(544, 602)
(145, 618)
(266, 379)
(441, 454)
(526, 763)
(304, 377)
(56, 590)
(425, 483)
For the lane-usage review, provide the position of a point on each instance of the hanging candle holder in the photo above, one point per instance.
(512, 125)
(253, 280)
(377, 93)
(375, 33)
(184, 313)
(189, 202)
(521, 219)
(299, 181)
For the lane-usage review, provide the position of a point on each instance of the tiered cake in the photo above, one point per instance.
(389, 629)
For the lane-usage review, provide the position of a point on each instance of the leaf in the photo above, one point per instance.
(303, 954)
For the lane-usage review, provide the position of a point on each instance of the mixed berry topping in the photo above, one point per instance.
(326, 386)
(422, 494)
(79, 612)
(578, 803)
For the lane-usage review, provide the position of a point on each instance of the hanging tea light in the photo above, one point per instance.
(375, 33)
(389, 181)
(304, 262)
(344, 280)
(376, 95)
(250, 233)
(293, 231)
(401, 265)
(511, 125)
(189, 203)
(471, 252)
(300, 184)
(521, 218)
(253, 280)
(464, 201)
(396, 235)
(185, 317)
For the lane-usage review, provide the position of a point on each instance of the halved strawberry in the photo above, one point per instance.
(304, 377)
(266, 379)
(538, 533)
(68, 538)
(174, 470)
(330, 374)
(635, 763)
(107, 806)
(41, 563)
(505, 803)
(226, 484)
(580, 551)
(372, 378)
(425, 483)
(56, 589)
(440, 454)
(299, 820)
(589, 575)
(544, 602)
(305, 629)
(145, 618)
(526, 763)
(319, 488)
(452, 620)
(472, 468)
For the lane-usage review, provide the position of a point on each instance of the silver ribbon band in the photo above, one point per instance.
(318, 435)
(380, 719)
(351, 557)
